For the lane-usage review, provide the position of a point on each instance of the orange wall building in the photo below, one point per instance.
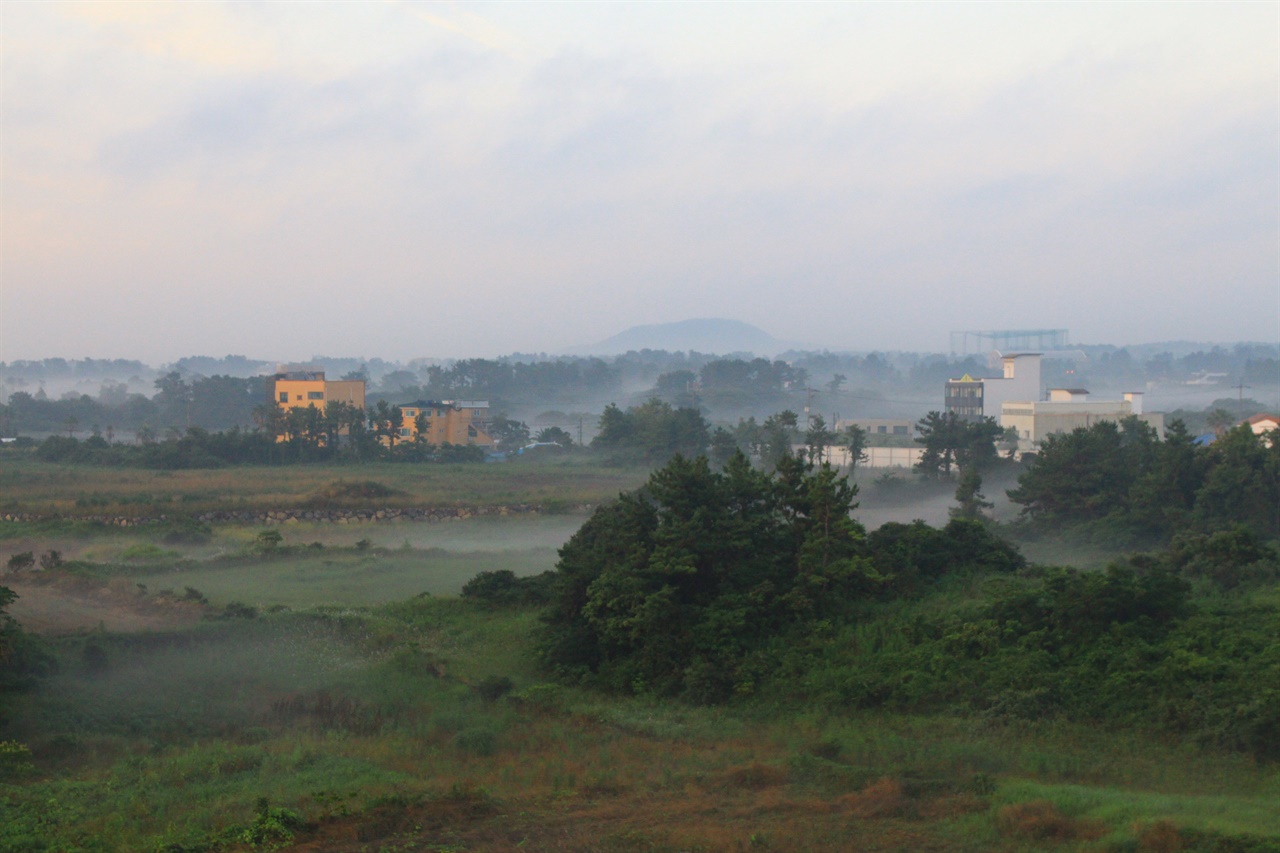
(298, 389)
(447, 421)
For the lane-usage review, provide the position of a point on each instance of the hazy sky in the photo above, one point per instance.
(398, 179)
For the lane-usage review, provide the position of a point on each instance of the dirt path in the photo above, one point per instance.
(51, 609)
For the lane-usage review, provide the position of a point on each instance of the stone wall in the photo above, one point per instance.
(283, 516)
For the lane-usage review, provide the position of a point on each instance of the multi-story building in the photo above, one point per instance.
(306, 387)
(297, 389)
(973, 399)
(447, 422)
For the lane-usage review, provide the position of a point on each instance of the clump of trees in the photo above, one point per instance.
(951, 443)
(682, 587)
(651, 432)
(1119, 479)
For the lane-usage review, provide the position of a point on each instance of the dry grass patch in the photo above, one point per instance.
(1159, 837)
(756, 776)
(351, 492)
(883, 798)
(1041, 820)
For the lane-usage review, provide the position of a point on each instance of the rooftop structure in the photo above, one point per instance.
(963, 343)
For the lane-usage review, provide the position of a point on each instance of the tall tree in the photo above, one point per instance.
(855, 441)
(951, 442)
(817, 438)
(970, 502)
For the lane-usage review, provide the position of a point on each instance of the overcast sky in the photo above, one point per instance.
(397, 179)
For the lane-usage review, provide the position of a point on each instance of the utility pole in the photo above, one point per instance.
(1240, 399)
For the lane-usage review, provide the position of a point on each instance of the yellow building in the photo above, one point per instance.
(447, 422)
(298, 389)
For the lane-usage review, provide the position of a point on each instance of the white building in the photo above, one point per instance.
(1067, 409)
(972, 398)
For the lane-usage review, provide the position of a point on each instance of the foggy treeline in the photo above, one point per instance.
(116, 396)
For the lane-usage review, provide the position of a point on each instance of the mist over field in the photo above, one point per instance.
(612, 451)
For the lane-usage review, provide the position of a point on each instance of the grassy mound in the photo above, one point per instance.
(345, 492)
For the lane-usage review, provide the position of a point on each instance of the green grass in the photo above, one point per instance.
(350, 578)
(320, 564)
(357, 707)
(350, 710)
(1251, 813)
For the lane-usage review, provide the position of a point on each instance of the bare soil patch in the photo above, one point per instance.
(58, 607)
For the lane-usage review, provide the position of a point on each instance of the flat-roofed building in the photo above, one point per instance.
(447, 422)
(300, 388)
(297, 389)
(1068, 409)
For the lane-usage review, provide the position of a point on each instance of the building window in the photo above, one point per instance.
(315, 395)
(405, 432)
(284, 396)
(899, 430)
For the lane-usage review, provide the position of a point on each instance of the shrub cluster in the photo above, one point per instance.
(1169, 640)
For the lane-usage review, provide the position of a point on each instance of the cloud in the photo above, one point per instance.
(448, 180)
(212, 35)
(472, 27)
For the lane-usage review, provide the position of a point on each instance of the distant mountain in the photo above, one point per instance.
(712, 336)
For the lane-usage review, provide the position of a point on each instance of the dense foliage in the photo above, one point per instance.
(708, 585)
(1171, 641)
(1120, 479)
(679, 587)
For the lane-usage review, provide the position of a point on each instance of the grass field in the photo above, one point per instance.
(347, 711)
(372, 730)
(348, 577)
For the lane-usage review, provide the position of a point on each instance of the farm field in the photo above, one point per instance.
(313, 686)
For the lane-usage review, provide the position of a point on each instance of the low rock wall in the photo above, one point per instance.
(285, 516)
